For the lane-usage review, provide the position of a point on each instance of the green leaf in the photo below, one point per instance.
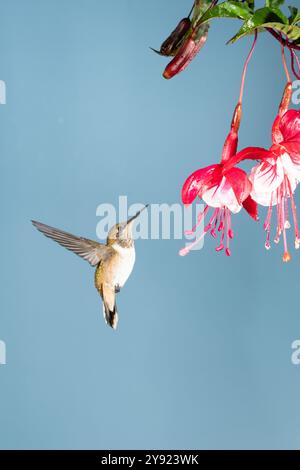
(251, 4)
(200, 7)
(274, 3)
(268, 18)
(228, 9)
(295, 15)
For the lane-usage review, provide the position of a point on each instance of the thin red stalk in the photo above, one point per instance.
(293, 65)
(293, 57)
(297, 59)
(284, 42)
(288, 77)
(236, 120)
(246, 67)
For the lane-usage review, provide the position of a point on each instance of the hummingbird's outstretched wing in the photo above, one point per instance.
(91, 251)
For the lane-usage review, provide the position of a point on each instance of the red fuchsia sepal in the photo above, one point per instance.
(289, 126)
(251, 207)
(248, 153)
(198, 182)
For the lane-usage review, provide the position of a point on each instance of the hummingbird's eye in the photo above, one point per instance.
(120, 231)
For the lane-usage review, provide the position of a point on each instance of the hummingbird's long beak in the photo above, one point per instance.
(136, 215)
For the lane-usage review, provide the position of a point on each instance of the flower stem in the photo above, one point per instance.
(288, 77)
(246, 67)
(236, 120)
(293, 58)
(284, 42)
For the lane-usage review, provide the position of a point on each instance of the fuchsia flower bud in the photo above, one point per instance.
(171, 45)
(189, 49)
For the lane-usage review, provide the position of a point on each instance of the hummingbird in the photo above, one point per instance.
(114, 261)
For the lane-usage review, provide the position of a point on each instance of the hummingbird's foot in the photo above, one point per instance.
(117, 289)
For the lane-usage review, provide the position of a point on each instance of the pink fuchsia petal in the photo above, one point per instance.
(251, 207)
(198, 182)
(289, 155)
(291, 168)
(249, 153)
(222, 195)
(290, 126)
(293, 151)
(264, 199)
(267, 197)
(266, 177)
(239, 182)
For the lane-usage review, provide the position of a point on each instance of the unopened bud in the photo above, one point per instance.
(173, 42)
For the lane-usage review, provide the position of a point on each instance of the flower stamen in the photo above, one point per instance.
(184, 251)
(200, 217)
(229, 232)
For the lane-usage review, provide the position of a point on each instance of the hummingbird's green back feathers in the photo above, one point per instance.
(91, 251)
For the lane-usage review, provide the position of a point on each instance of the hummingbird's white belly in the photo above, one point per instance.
(126, 263)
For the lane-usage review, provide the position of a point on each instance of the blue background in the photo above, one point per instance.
(202, 357)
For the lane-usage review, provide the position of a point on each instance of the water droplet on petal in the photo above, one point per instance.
(287, 225)
(267, 246)
(276, 240)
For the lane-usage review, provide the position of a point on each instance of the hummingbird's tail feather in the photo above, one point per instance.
(110, 311)
(111, 317)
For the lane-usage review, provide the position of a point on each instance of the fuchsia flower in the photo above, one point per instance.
(222, 187)
(224, 190)
(275, 178)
